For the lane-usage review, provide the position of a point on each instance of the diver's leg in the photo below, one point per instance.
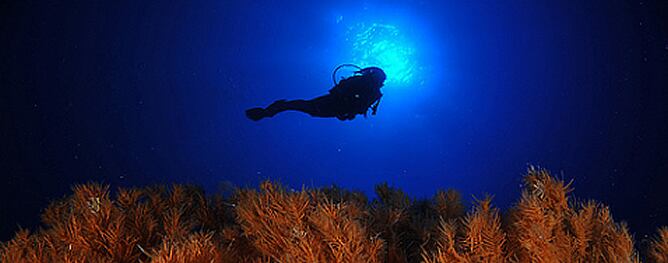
(256, 114)
(277, 107)
(323, 106)
(259, 113)
(314, 107)
(284, 105)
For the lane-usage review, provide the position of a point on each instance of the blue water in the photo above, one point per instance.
(133, 93)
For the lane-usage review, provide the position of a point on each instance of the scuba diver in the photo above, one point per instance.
(349, 97)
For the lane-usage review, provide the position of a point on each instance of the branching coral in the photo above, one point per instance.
(300, 227)
(91, 226)
(544, 227)
(477, 237)
(658, 251)
(272, 224)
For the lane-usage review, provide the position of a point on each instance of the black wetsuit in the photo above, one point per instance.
(351, 96)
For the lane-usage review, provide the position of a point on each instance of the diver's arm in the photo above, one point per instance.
(374, 108)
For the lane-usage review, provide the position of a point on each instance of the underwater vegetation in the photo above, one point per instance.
(274, 224)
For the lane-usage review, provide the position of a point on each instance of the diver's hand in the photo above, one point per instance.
(374, 108)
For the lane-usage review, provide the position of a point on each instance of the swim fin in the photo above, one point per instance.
(256, 114)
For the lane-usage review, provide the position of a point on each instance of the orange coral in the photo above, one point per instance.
(298, 227)
(478, 237)
(658, 251)
(182, 224)
(544, 227)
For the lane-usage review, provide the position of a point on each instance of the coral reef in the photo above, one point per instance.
(273, 224)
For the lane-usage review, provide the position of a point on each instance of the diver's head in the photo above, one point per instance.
(375, 73)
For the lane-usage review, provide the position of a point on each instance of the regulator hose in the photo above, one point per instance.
(342, 66)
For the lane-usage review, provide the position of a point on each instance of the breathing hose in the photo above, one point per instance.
(342, 66)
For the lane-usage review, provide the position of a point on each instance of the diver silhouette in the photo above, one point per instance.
(349, 97)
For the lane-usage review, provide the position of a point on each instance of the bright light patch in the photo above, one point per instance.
(384, 46)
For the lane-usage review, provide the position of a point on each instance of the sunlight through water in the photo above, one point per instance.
(385, 46)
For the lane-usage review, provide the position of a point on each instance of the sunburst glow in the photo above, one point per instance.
(385, 46)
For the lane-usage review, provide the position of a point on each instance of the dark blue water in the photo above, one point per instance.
(131, 93)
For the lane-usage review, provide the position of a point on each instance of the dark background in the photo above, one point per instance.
(131, 93)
